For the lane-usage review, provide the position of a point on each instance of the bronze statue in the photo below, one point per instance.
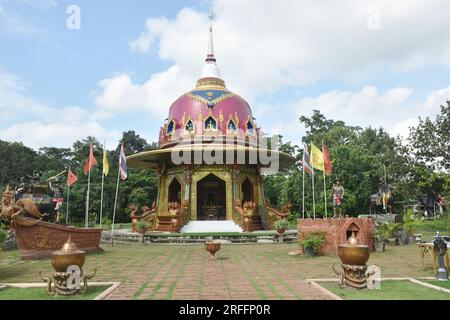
(383, 197)
(338, 193)
(54, 184)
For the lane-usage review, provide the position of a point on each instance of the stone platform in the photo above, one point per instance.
(265, 236)
(211, 226)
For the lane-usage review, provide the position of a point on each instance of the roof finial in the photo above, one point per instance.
(210, 69)
(210, 55)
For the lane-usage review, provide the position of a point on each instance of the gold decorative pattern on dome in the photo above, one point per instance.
(213, 83)
(210, 96)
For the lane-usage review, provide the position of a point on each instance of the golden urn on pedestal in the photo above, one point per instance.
(68, 278)
(354, 257)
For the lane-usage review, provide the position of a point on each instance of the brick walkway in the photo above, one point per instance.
(263, 271)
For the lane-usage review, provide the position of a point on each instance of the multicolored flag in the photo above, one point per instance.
(326, 158)
(306, 161)
(71, 178)
(105, 162)
(122, 164)
(317, 160)
(91, 161)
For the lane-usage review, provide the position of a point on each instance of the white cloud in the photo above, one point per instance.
(37, 134)
(154, 27)
(393, 110)
(119, 94)
(300, 42)
(24, 119)
(437, 98)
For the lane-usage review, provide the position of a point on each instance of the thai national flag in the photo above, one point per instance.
(306, 160)
(122, 164)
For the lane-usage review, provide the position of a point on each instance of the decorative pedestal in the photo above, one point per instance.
(68, 278)
(66, 283)
(353, 256)
(353, 276)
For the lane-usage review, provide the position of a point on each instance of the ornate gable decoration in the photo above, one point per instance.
(210, 97)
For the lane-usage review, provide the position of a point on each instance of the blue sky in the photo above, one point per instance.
(371, 63)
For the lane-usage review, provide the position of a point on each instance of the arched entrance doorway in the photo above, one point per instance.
(211, 198)
(175, 191)
(247, 191)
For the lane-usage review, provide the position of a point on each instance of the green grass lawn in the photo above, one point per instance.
(41, 294)
(390, 290)
(442, 284)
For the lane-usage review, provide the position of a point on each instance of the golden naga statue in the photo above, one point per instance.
(275, 214)
(148, 215)
(11, 208)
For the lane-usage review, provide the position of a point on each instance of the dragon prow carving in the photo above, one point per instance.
(11, 208)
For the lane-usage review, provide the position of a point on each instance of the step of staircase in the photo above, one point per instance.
(211, 226)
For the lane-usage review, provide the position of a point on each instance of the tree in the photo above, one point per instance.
(430, 140)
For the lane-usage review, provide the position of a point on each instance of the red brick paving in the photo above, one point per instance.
(253, 271)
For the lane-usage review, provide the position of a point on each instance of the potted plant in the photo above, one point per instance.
(392, 231)
(281, 225)
(380, 237)
(142, 227)
(313, 242)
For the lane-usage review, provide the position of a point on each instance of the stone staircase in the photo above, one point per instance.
(211, 227)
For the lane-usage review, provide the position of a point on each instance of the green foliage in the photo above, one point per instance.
(314, 240)
(358, 158)
(382, 232)
(281, 224)
(140, 187)
(2, 235)
(142, 225)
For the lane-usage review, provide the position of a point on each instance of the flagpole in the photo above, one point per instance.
(324, 186)
(68, 199)
(325, 194)
(103, 182)
(314, 200)
(86, 217)
(303, 191)
(115, 205)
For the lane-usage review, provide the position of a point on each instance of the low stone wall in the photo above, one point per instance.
(337, 231)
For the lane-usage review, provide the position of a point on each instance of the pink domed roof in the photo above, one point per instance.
(209, 110)
(209, 106)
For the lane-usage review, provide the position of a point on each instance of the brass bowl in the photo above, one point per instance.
(212, 247)
(353, 254)
(69, 255)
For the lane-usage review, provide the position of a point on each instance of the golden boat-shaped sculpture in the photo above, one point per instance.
(39, 239)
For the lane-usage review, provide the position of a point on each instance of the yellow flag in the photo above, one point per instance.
(317, 160)
(105, 162)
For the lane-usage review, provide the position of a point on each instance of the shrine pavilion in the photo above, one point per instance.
(211, 160)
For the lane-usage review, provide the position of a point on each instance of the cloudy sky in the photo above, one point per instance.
(377, 63)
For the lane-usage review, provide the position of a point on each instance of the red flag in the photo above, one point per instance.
(71, 178)
(90, 162)
(326, 159)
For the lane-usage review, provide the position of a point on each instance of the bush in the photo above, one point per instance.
(106, 222)
(281, 224)
(314, 240)
(2, 236)
(142, 225)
